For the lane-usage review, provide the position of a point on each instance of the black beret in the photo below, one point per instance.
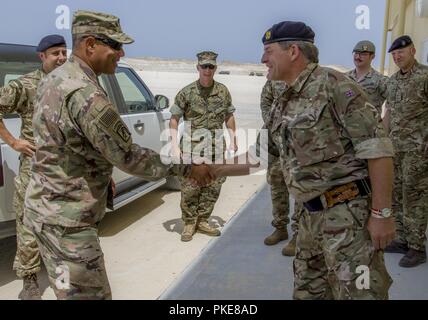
(52, 40)
(289, 31)
(400, 42)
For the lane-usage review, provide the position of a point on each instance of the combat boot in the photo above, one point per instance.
(290, 249)
(277, 236)
(413, 258)
(188, 232)
(204, 227)
(30, 290)
(397, 246)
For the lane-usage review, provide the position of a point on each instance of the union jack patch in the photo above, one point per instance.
(349, 93)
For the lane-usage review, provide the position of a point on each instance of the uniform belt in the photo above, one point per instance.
(339, 194)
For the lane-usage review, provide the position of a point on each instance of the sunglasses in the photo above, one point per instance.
(111, 43)
(207, 66)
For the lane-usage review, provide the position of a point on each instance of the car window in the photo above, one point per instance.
(9, 77)
(13, 70)
(137, 99)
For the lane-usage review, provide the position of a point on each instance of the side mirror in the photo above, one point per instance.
(162, 102)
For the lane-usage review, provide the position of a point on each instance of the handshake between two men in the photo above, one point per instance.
(203, 172)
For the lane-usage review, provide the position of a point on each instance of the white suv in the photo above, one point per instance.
(146, 116)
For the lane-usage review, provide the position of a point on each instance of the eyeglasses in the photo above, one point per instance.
(361, 54)
(111, 43)
(207, 66)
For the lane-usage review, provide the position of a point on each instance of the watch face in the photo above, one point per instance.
(386, 212)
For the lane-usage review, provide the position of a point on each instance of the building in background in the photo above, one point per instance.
(405, 17)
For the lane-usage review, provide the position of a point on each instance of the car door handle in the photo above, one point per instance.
(139, 127)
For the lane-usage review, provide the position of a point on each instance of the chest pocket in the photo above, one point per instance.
(219, 112)
(414, 93)
(313, 135)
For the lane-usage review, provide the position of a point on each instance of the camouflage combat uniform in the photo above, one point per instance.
(272, 90)
(323, 141)
(19, 97)
(79, 137)
(408, 104)
(374, 84)
(206, 109)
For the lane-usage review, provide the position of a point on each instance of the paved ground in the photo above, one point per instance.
(141, 242)
(239, 266)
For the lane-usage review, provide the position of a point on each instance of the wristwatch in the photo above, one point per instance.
(381, 213)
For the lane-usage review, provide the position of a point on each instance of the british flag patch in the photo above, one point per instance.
(349, 93)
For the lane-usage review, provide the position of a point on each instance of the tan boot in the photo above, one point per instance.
(277, 236)
(413, 258)
(30, 290)
(204, 227)
(290, 249)
(188, 232)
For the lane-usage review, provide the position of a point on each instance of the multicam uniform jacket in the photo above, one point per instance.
(324, 130)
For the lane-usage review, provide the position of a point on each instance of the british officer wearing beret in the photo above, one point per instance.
(407, 116)
(338, 161)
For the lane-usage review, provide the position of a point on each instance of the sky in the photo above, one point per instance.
(181, 28)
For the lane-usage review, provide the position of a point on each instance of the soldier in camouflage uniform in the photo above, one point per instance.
(272, 90)
(373, 82)
(407, 116)
(204, 105)
(79, 137)
(18, 96)
(329, 139)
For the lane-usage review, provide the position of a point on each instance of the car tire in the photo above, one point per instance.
(172, 183)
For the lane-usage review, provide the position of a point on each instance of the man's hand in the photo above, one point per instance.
(382, 231)
(23, 146)
(202, 175)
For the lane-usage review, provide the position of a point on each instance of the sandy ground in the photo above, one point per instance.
(141, 241)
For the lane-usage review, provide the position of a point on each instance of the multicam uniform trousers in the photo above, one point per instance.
(335, 257)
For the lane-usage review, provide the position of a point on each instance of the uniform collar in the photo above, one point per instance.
(214, 90)
(85, 67)
(412, 70)
(298, 84)
(40, 74)
(368, 74)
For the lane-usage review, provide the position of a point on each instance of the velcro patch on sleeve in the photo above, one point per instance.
(122, 131)
(111, 120)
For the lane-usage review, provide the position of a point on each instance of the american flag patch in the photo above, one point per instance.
(349, 93)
